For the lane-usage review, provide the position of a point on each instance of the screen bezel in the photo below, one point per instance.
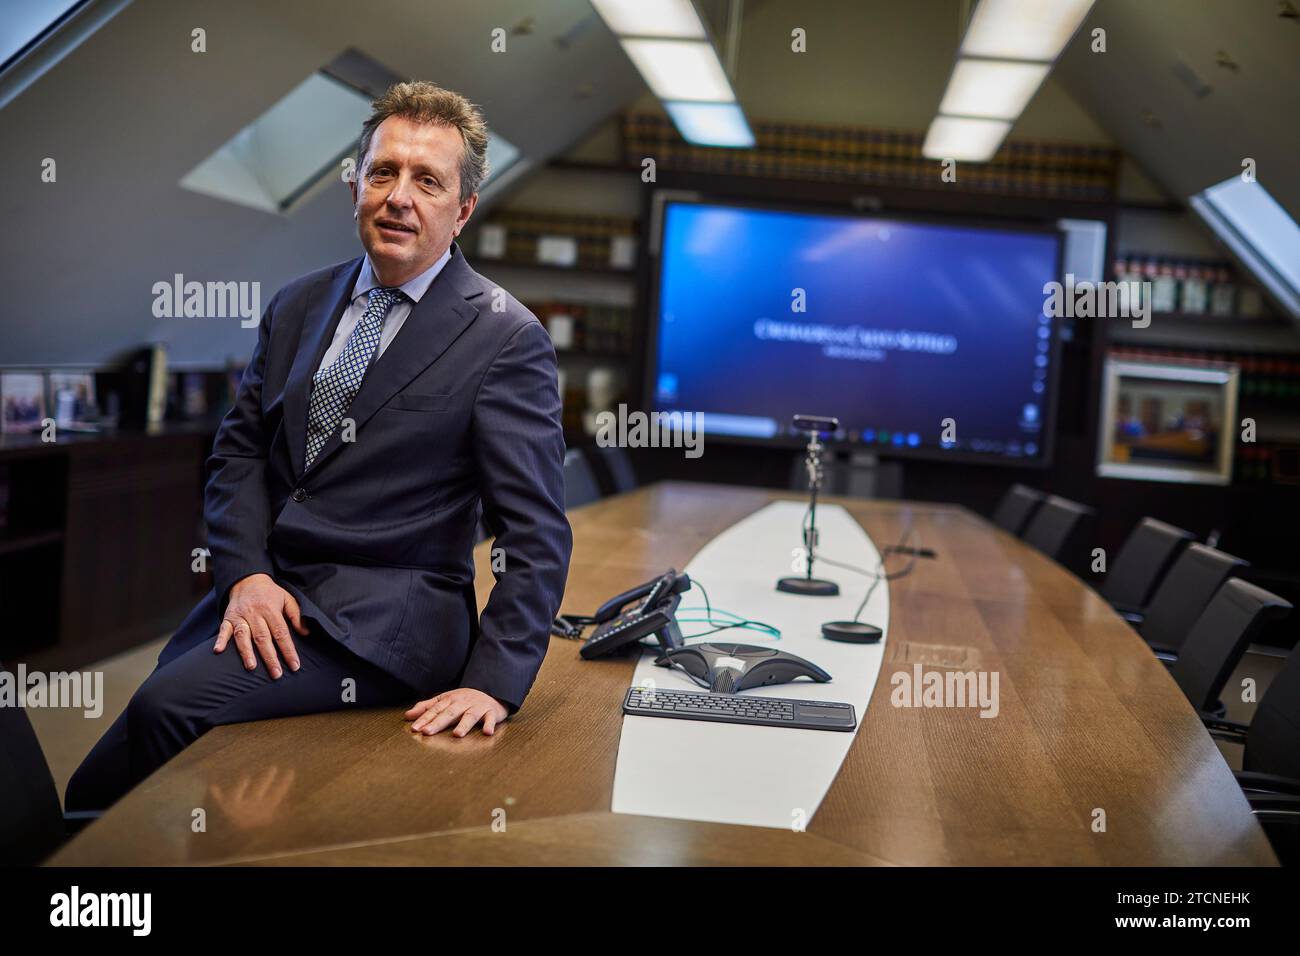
(662, 199)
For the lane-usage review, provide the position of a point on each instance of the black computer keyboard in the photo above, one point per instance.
(737, 709)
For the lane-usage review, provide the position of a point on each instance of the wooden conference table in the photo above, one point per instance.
(1089, 720)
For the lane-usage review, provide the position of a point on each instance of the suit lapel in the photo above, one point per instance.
(324, 310)
(437, 320)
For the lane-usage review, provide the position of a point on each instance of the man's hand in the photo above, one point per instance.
(256, 616)
(465, 704)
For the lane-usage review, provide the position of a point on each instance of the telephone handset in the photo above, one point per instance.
(654, 613)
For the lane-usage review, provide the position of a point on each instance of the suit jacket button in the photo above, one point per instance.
(299, 495)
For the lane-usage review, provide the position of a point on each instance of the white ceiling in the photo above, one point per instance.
(1185, 142)
(132, 109)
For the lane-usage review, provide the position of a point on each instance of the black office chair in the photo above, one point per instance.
(1142, 562)
(1195, 578)
(1057, 527)
(32, 822)
(1017, 508)
(1219, 638)
(1270, 763)
(580, 486)
(618, 467)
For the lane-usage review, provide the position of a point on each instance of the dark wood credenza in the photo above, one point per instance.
(97, 534)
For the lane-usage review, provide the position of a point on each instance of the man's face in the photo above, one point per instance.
(407, 197)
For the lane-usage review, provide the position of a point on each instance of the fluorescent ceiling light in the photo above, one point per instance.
(993, 89)
(964, 139)
(651, 18)
(1260, 233)
(1023, 29)
(711, 124)
(667, 43)
(680, 69)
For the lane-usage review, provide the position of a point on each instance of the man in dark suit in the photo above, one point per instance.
(385, 398)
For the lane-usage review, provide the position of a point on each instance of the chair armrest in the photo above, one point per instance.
(74, 821)
(1231, 731)
(1134, 615)
(1267, 784)
(1166, 654)
(1276, 808)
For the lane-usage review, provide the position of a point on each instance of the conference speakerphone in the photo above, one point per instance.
(733, 709)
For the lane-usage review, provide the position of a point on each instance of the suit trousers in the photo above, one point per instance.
(190, 694)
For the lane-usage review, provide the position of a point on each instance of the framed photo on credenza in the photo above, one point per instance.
(22, 400)
(1165, 421)
(72, 402)
(30, 396)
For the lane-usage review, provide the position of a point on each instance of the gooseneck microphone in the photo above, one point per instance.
(815, 426)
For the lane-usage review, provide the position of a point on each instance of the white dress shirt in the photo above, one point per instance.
(397, 313)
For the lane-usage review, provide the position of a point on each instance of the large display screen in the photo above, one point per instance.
(919, 337)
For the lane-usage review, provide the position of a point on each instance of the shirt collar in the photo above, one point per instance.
(414, 288)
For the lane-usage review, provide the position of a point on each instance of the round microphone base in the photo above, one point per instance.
(813, 587)
(851, 632)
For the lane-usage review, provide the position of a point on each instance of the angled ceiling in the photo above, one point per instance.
(132, 109)
(1143, 90)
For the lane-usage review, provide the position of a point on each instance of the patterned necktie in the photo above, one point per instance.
(334, 387)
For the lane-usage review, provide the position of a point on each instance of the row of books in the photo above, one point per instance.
(583, 327)
(526, 236)
(866, 155)
(1264, 376)
(585, 394)
(1190, 286)
(1272, 462)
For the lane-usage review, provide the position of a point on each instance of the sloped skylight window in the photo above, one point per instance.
(274, 161)
(25, 24)
(1260, 233)
(276, 158)
(501, 156)
(36, 34)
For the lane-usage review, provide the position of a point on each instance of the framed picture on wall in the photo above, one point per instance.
(22, 400)
(1168, 422)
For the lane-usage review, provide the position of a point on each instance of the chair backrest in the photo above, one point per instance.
(1273, 740)
(31, 818)
(1196, 576)
(1055, 527)
(1143, 560)
(619, 466)
(579, 483)
(1220, 637)
(1016, 508)
(864, 476)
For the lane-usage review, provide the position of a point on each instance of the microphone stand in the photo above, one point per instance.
(809, 585)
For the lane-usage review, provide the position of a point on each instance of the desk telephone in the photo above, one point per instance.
(618, 628)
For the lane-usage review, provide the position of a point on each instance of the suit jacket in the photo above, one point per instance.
(374, 539)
